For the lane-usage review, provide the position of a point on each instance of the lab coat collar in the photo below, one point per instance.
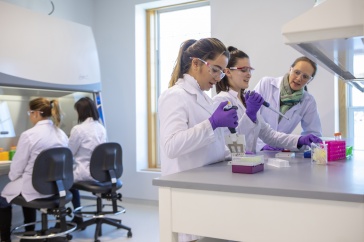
(190, 85)
(88, 120)
(46, 121)
(235, 95)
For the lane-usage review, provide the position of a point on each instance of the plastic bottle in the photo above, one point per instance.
(337, 136)
(12, 152)
(4, 155)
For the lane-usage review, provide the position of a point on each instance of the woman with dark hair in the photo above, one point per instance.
(233, 87)
(289, 95)
(190, 133)
(46, 117)
(84, 137)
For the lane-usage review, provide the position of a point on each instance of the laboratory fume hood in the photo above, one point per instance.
(332, 33)
(43, 56)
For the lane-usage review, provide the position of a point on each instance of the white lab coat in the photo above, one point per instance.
(253, 130)
(304, 112)
(84, 138)
(42, 136)
(187, 139)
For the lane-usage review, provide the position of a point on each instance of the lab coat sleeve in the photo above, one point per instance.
(275, 138)
(310, 122)
(74, 142)
(21, 158)
(178, 136)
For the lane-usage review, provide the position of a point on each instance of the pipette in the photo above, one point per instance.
(266, 104)
(227, 108)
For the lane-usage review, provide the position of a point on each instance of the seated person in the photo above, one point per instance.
(45, 116)
(84, 137)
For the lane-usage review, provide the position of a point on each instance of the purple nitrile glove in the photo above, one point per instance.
(221, 118)
(253, 102)
(268, 147)
(307, 140)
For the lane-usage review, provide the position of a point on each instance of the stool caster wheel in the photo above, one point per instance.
(130, 234)
(69, 237)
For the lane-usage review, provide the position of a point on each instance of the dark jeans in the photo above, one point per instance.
(76, 200)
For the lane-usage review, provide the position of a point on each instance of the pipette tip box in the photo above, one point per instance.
(248, 164)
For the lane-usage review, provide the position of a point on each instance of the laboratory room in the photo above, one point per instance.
(244, 123)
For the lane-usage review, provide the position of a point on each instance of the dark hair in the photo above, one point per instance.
(86, 108)
(47, 108)
(235, 55)
(207, 48)
(306, 59)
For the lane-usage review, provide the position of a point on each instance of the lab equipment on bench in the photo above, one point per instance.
(285, 155)
(248, 164)
(234, 141)
(319, 153)
(241, 162)
(276, 162)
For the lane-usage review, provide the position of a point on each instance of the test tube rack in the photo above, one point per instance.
(336, 150)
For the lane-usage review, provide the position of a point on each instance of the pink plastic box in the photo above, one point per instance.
(336, 150)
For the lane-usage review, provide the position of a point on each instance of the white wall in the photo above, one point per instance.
(253, 26)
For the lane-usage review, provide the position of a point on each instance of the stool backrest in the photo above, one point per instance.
(105, 159)
(53, 170)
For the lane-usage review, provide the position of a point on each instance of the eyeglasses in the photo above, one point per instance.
(243, 69)
(305, 77)
(214, 71)
(32, 111)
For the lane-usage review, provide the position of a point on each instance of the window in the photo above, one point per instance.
(356, 109)
(167, 28)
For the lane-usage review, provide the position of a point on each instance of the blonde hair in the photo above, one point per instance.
(48, 108)
(207, 48)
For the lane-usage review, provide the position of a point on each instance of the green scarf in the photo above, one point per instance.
(289, 97)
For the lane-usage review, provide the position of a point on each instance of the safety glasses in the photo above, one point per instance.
(214, 71)
(32, 111)
(305, 77)
(243, 69)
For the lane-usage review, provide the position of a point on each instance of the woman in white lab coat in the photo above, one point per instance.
(232, 88)
(45, 116)
(84, 137)
(288, 95)
(190, 133)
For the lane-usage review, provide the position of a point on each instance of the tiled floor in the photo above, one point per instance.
(141, 216)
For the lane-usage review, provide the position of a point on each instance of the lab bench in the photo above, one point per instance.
(303, 202)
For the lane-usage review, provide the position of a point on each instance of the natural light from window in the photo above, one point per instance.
(174, 28)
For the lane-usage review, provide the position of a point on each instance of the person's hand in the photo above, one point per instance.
(221, 118)
(307, 140)
(253, 102)
(268, 147)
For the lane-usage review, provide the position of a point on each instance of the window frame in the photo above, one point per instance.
(153, 76)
